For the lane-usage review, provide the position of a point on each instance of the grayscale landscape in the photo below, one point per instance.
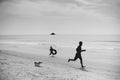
(31, 29)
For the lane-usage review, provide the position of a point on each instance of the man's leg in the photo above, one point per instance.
(81, 61)
(75, 58)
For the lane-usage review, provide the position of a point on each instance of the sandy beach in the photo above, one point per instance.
(17, 63)
(29, 29)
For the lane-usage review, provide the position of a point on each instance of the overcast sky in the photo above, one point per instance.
(60, 16)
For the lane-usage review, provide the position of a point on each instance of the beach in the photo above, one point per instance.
(17, 57)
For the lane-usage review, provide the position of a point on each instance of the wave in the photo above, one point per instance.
(69, 44)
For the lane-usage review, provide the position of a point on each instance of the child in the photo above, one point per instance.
(52, 51)
(78, 54)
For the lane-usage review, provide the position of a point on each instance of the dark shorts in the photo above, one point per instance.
(78, 55)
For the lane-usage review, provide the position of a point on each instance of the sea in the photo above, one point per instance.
(71, 41)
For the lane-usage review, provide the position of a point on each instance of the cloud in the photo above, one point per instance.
(40, 8)
(59, 1)
(1, 1)
(12, 1)
(60, 7)
(58, 14)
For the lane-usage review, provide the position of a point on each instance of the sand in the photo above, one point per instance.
(17, 63)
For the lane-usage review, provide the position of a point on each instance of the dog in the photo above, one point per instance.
(37, 64)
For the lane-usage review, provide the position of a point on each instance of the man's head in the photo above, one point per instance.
(80, 43)
(50, 47)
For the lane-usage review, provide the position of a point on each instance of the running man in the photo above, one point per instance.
(78, 54)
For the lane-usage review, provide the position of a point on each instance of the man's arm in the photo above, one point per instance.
(83, 50)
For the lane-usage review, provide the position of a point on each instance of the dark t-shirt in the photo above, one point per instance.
(78, 53)
(78, 49)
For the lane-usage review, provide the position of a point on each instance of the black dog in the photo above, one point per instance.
(37, 64)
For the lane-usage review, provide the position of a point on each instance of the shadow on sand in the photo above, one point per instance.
(83, 69)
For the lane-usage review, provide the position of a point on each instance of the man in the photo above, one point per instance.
(78, 54)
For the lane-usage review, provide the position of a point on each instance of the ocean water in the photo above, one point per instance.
(89, 41)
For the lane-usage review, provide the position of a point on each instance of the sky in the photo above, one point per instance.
(90, 17)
